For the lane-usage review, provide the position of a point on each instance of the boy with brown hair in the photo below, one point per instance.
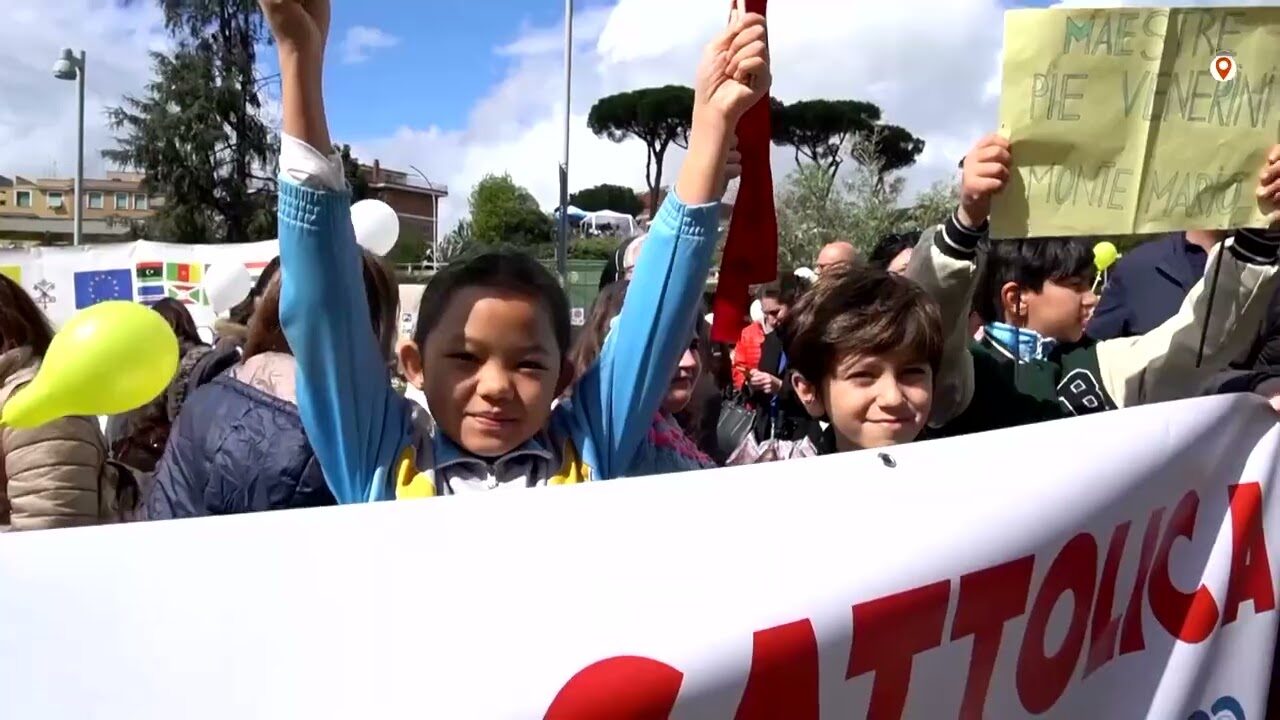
(864, 346)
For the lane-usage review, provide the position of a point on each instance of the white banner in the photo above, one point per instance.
(64, 279)
(1114, 566)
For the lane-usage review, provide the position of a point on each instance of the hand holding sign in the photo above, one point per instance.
(108, 359)
(986, 172)
(1269, 183)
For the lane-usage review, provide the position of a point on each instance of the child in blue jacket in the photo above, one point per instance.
(490, 351)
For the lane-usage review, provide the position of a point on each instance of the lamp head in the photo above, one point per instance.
(67, 66)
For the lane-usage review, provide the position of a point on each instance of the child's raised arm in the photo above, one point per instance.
(1182, 354)
(355, 421)
(619, 396)
(944, 265)
(1218, 321)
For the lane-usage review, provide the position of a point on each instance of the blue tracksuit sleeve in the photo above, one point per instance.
(618, 397)
(355, 421)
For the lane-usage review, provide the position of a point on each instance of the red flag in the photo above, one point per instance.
(751, 250)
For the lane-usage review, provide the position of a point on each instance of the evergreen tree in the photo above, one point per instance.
(198, 132)
(659, 117)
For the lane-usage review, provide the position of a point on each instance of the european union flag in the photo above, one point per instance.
(95, 286)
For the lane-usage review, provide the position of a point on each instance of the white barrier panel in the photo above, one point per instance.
(1113, 566)
(64, 279)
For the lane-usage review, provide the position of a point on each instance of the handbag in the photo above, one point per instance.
(735, 423)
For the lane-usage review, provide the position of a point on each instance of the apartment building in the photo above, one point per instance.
(416, 200)
(41, 211)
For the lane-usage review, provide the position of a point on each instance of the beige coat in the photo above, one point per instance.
(56, 475)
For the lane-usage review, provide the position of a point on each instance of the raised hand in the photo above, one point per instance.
(732, 76)
(1269, 184)
(300, 26)
(732, 166)
(734, 73)
(986, 172)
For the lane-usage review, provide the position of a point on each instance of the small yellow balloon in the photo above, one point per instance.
(108, 359)
(1105, 255)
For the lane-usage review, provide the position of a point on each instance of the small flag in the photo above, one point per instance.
(13, 272)
(150, 272)
(151, 293)
(255, 269)
(95, 286)
(183, 272)
(187, 294)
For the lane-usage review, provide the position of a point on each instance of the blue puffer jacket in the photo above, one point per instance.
(235, 449)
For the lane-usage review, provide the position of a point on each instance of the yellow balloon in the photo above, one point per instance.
(1105, 255)
(108, 359)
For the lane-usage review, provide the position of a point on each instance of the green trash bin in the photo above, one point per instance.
(583, 287)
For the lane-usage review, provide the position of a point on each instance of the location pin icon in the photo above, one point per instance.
(1222, 67)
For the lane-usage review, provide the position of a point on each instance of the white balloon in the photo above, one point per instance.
(377, 226)
(227, 284)
(204, 318)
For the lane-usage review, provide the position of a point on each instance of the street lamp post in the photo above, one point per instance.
(435, 220)
(70, 67)
(562, 238)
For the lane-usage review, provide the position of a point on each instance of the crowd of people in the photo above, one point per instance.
(935, 333)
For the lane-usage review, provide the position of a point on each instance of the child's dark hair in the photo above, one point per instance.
(179, 318)
(511, 271)
(860, 310)
(243, 310)
(1029, 263)
(22, 324)
(786, 289)
(890, 246)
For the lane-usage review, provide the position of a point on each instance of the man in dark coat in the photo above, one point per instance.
(1147, 285)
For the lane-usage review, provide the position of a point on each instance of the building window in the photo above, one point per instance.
(122, 201)
(23, 198)
(94, 201)
(53, 199)
(140, 202)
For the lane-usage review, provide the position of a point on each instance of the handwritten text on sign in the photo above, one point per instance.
(1122, 121)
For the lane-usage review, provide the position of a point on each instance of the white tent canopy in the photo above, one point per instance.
(611, 219)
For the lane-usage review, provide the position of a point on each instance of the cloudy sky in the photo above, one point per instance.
(461, 88)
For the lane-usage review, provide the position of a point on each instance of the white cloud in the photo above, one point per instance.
(587, 25)
(926, 63)
(361, 40)
(932, 66)
(38, 112)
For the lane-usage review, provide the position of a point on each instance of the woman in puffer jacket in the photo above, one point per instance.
(56, 475)
(238, 444)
